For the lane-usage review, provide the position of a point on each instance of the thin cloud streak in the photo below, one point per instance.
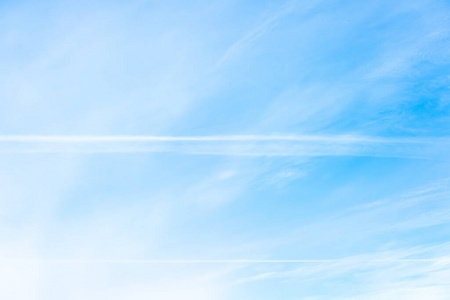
(136, 138)
(254, 34)
(233, 145)
(223, 261)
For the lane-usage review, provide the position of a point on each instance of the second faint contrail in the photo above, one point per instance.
(227, 261)
(150, 138)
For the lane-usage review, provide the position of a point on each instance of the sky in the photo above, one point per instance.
(245, 150)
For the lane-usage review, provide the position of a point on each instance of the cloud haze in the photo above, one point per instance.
(224, 149)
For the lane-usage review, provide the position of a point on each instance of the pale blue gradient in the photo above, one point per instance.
(251, 150)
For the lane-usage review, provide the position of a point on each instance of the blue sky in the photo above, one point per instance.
(225, 150)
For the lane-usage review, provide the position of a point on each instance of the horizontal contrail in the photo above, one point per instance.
(241, 145)
(222, 261)
(230, 138)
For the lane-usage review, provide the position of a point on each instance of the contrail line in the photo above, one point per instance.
(238, 145)
(150, 138)
(220, 261)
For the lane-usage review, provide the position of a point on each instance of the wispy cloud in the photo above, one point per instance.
(377, 274)
(254, 34)
(268, 23)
